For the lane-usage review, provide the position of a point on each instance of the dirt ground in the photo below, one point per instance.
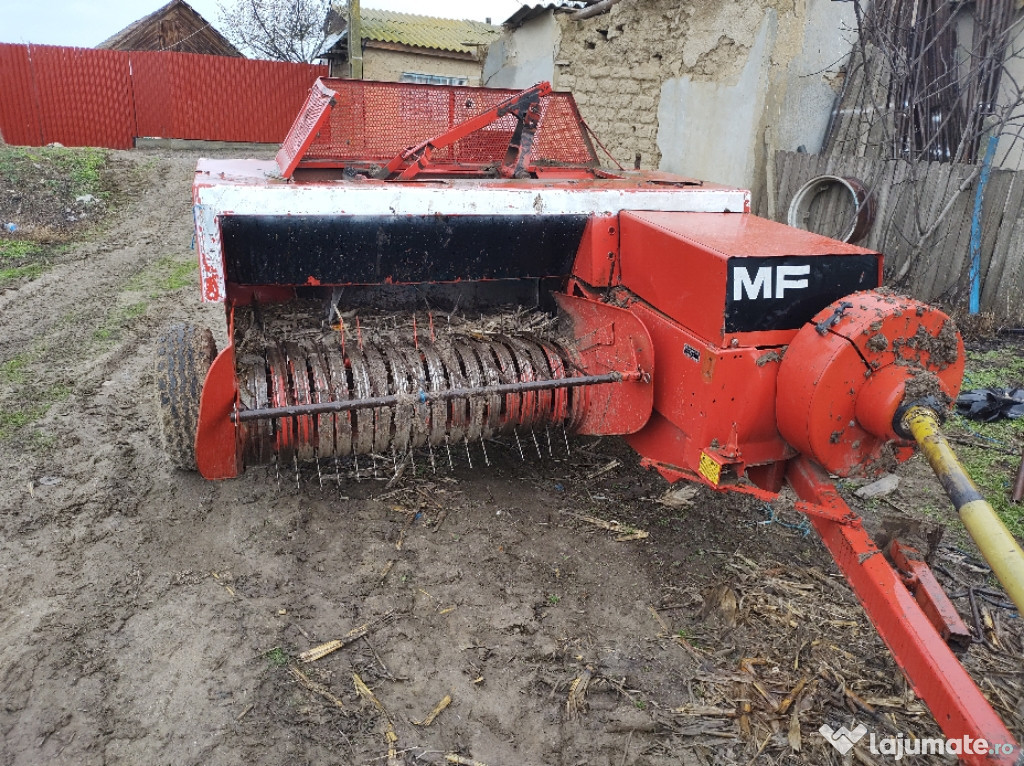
(151, 617)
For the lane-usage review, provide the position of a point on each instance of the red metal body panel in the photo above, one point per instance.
(934, 673)
(708, 398)
(305, 129)
(597, 257)
(611, 339)
(678, 262)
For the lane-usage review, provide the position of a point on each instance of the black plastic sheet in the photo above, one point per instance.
(988, 404)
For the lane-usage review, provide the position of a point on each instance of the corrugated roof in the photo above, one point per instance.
(459, 35)
(531, 11)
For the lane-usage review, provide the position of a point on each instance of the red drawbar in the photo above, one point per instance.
(934, 672)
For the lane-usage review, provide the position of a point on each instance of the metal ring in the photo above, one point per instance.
(863, 205)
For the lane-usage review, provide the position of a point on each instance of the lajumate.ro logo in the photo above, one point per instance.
(843, 740)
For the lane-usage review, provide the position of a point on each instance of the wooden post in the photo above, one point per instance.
(355, 41)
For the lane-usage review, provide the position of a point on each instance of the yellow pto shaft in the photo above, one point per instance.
(997, 545)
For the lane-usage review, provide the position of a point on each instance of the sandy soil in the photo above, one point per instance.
(151, 617)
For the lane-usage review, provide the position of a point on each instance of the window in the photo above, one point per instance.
(432, 79)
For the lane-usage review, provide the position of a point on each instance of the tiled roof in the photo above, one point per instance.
(426, 31)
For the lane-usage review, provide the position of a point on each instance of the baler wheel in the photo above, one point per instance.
(183, 356)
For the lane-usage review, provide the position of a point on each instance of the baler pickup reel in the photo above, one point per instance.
(426, 268)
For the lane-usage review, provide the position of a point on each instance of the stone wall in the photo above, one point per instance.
(706, 89)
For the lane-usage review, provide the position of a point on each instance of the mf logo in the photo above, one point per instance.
(760, 284)
(843, 739)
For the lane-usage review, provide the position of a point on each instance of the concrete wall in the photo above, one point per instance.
(707, 89)
(525, 58)
(1010, 150)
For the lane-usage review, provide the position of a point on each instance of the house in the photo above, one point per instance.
(405, 47)
(174, 27)
(708, 90)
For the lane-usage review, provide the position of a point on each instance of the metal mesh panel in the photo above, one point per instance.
(375, 121)
(304, 129)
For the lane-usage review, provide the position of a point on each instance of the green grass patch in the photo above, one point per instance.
(277, 657)
(994, 473)
(12, 420)
(13, 370)
(119, 319)
(999, 368)
(80, 167)
(993, 451)
(17, 249)
(27, 272)
(83, 167)
(166, 275)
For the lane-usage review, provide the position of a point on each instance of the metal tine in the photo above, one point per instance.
(547, 431)
(337, 471)
(565, 436)
(298, 476)
(448, 446)
(483, 445)
(355, 461)
(433, 465)
(277, 469)
(319, 474)
(519, 444)
(468, 456)
(536, 444)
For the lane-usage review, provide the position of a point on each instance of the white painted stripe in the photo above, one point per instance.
(449, 198)
(400, 199)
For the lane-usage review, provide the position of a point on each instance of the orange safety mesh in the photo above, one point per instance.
(375, 121)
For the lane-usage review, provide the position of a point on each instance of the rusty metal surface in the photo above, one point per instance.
(1018, 483)
(310, 400)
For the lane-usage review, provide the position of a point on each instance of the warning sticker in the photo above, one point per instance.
(709, 469)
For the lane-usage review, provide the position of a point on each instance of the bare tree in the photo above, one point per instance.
(282, 30)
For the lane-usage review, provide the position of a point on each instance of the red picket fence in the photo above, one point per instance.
(87, 97)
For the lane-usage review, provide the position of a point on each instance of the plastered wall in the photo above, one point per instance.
(386, 65)
(706, 89)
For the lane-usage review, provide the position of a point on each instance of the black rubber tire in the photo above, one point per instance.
(183, 356)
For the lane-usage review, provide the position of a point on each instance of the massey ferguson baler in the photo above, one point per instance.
(424, 268)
